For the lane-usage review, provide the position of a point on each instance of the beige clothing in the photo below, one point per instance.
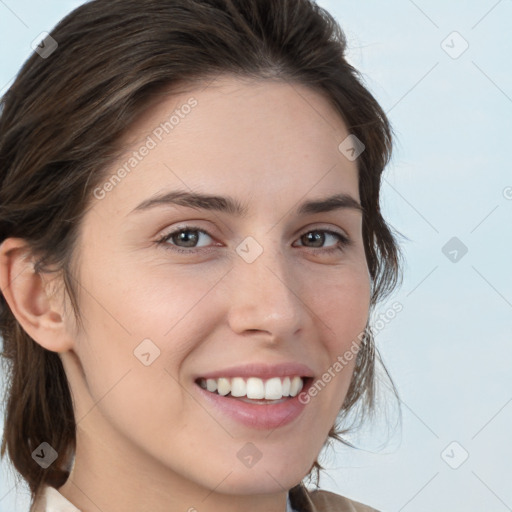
(299, 498)
(53, 501)
(303, 500)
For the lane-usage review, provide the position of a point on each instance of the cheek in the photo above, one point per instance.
(340, 304)
(145, 301)
(139, 328)
(342, 300)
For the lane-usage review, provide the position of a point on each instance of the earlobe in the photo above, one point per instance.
(28, 296)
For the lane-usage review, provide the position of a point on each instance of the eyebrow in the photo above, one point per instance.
(232, 206)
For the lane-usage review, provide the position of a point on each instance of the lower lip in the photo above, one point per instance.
(258, 416)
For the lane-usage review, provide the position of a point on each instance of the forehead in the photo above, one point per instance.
(253, 137)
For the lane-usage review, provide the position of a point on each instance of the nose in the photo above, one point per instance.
(265, 296)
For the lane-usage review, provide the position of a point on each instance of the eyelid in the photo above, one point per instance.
(344, 240)
(306, 229)
(164, 238)
(315, 226)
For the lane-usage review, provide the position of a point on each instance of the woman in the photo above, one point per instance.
(192, 246)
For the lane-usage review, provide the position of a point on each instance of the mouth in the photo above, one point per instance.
(263, 404)
(257, 395)
(254, 390)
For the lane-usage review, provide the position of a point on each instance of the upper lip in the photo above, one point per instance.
(262, 371)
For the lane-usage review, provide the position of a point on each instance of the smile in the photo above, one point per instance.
(253, 402)
(254, 388)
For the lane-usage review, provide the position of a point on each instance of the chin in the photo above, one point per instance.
(266, 478)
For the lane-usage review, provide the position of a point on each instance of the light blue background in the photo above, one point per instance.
(449, 350)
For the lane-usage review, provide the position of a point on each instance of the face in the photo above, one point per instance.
(171, 293)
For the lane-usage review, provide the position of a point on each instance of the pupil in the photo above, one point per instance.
(190, 241)
(316, 237)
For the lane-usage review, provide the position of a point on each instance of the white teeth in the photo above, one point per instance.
(238, 387)
(286, 386)
(223, 386)
(255, 388)
(295, 386)
(273, 389)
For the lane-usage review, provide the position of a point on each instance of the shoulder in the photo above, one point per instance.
(329, 501)
(304, 500)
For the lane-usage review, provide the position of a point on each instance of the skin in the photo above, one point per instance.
(144, 439)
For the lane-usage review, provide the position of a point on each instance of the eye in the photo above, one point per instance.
(186, 240)
(318, 237)
(187, 236)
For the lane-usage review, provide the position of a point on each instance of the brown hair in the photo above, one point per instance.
(60, 127)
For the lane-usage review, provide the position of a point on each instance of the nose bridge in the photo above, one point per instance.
(264, 295)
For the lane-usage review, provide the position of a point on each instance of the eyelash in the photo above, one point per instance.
(343, 241)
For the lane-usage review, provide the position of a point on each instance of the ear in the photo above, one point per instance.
(30, 297)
